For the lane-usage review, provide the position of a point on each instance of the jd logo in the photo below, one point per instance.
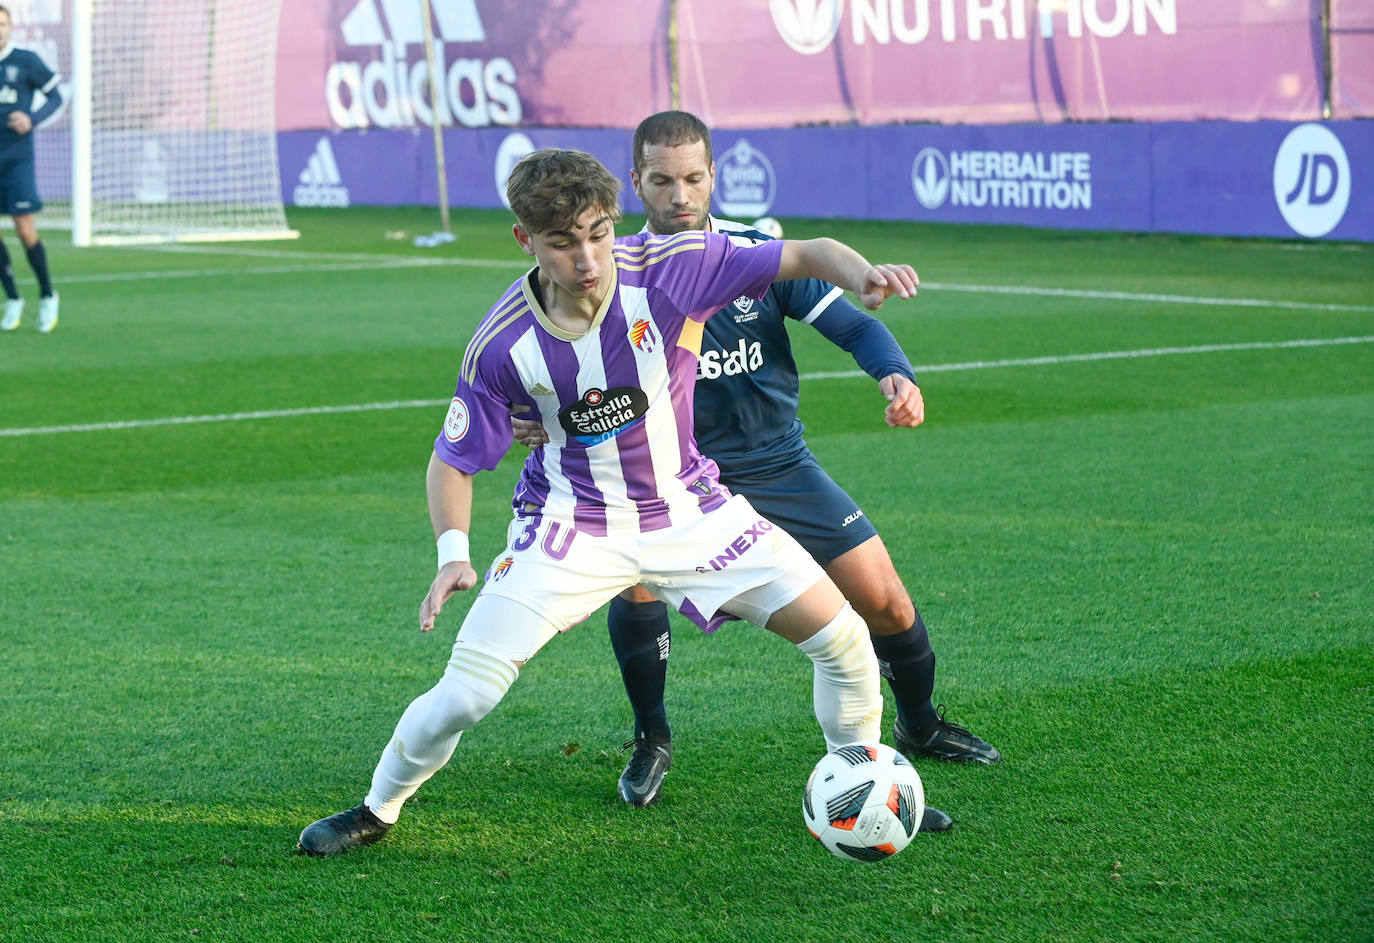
(1312, 180)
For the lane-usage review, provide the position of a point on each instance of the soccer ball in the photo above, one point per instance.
(769, 227)
(864, 802)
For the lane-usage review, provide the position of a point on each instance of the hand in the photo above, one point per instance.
(528, 433)
(883, 281)
(905, 405)
(454, 577)
(19, 122)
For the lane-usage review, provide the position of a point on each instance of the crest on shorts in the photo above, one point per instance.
(501, 569)
(642, 335)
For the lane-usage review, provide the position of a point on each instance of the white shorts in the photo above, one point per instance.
(729, 563)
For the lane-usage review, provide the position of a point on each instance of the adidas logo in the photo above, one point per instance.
(363, 89)
(320, 183)
(455, 21)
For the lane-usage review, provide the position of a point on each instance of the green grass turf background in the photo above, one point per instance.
(1147, 580)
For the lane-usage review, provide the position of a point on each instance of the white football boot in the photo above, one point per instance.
(47, 314)
(14, 313)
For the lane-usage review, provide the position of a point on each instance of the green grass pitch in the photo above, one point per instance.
(1139, 521)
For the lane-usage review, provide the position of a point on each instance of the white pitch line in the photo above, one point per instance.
(346, 262)
(1146, 296)
(838, 375)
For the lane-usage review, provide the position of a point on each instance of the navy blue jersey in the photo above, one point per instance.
(21, 74)
(747, 384)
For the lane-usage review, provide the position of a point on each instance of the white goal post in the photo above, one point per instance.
(173, 121)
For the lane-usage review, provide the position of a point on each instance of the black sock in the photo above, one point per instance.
(7, 274)
(38, 259)
(639, 636)
(908, 663)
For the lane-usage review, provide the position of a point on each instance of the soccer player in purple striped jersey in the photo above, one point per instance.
(599, 343)
(746, 421)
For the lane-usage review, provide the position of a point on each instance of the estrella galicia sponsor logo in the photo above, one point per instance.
(320, 183)
(746, 358)
(602, 414)
(808, 26)
(737, 547)
(1055, 180)
(745, 182)
(1312, 180)
(513, 147)
(375, 83)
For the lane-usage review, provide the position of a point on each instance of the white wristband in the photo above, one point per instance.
(453, 545)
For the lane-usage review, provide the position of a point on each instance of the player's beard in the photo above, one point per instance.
(666, 223)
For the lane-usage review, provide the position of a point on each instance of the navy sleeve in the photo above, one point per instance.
(867, 339)
(51, 105)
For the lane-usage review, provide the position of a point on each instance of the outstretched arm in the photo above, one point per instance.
(869, 341)
(450, 511)
(838, 264)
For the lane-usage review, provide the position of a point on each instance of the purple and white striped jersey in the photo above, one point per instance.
(616, 401)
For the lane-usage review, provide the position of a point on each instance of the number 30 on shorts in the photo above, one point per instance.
(558, 538)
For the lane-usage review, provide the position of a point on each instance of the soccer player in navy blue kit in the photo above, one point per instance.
(21, 74)
(746, 420)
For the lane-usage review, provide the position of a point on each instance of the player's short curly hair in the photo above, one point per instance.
(670, 129)
(551, 188)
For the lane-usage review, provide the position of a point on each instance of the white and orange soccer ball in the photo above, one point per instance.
(864, 802)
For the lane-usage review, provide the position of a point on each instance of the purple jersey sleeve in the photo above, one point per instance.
(477, 431)
(701, 272)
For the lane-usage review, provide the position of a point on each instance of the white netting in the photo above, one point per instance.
(183, 120)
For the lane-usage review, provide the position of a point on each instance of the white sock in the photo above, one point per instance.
(427, 733)
(848, 699)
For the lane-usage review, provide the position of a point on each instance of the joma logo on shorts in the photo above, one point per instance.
(738, 546)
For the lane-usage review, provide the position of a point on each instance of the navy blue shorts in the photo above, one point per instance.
(18, 188)
(806, 502)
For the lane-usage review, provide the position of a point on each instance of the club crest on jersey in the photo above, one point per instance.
(745, 306)
(458, 420)
(643, 336)
(11, 73)
(602, 414)
(501, 569)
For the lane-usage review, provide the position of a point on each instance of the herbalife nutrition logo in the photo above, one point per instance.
(1057, 180)
(363, 90)
(320, 183)
(808, 26)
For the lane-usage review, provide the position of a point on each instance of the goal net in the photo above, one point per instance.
(170, 130)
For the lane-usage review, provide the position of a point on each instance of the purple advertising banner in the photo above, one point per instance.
(355, 64)
(361, 63)
(1280, 179)
(884, 61)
